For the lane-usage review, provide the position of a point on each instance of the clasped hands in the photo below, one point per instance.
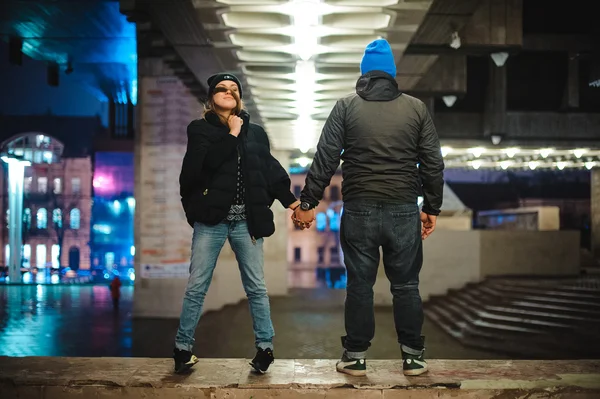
(303, 219)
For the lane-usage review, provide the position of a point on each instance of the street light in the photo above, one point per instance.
(16, 176)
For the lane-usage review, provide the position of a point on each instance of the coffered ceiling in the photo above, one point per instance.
(298, 57)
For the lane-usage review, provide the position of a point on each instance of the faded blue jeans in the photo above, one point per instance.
(207, 243)
(366, 227)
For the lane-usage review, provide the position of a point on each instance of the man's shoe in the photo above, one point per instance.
(355, 367)
(184, 360)
(414, 364)
(262, 360)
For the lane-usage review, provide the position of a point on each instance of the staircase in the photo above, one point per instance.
(524, 318)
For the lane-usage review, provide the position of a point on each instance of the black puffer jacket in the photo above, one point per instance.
(383, 134)
(209, 174)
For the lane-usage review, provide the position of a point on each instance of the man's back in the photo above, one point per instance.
(384, 134)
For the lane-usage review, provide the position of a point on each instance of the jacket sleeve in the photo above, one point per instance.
(431, 165)
(193, 161)
(278, 178)
(327, 158)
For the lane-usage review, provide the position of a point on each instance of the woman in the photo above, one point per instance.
(228, 182)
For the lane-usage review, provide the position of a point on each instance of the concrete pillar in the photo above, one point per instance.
(572, 90)
(595, 205)
(162, 235)
(495, 108)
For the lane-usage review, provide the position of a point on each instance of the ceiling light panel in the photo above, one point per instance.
(299, 56)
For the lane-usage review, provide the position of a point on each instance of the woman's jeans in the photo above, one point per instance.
(207, 243)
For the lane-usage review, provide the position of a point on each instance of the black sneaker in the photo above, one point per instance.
(414, 364)
(184, 360)
(355, 367)
(262, 360)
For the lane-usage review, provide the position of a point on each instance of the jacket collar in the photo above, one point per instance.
(214, 120)
(377, 86)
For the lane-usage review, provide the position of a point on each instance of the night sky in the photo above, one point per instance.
(25, 91)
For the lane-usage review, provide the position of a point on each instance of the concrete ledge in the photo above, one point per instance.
(66, 378)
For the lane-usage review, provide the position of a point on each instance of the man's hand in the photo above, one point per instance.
(427, 225)
(303, 219)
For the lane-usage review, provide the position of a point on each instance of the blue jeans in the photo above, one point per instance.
(396, 229)
(207, 243)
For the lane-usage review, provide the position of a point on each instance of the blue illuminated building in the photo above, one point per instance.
(112, 244)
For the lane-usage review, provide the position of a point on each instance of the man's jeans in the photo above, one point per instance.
(207, 243)
(396, 228)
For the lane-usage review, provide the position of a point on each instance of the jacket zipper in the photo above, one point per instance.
(242, 154)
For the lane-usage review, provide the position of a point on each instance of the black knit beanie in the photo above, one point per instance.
(214, 80)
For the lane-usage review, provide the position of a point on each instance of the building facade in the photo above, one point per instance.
(57, 204)
(57, 189)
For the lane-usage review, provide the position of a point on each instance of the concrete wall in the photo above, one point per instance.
(461, 223)
(455, 258)
(553, 253)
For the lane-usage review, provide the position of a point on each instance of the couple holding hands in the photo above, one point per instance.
(391, 154)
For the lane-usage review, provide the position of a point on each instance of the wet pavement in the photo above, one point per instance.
(45, 320)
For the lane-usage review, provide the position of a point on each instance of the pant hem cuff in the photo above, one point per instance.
(356, 355)
(183, 347)
(264, 345)
(411, 351)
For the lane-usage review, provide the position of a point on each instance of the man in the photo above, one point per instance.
(388, 143)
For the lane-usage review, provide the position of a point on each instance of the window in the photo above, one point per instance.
(57, 217)
(321, 221)
(109, 260)
(334, 193)
(334, 221)
(75, 219)
(26, 255)
(47, 156)
(297, 191)
(42, 183)
(55, 261)
(321, 255)
(116, 207)
(27, 183)
(42, 218)
(75, 185)
(297, 254)
(7, 254)
(40, 255)
(27, 218)
(335, 255)
(57, 185)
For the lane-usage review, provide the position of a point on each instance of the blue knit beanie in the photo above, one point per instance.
(378, 57)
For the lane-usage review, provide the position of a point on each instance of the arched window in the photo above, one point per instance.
(57, 217)
(42, 218)
(27, 218)
(75, 219)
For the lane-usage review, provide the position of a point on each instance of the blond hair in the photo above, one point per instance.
(209, 106)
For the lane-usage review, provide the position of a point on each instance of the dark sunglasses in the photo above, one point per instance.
(222, 89)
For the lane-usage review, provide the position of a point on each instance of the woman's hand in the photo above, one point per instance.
(294, 205)
(235, 125)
